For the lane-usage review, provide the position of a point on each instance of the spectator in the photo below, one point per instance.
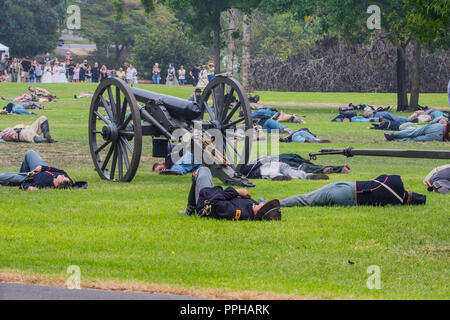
(38, 72)
(182, 76)
(26, 66)
(103, 73)
(83, 69)
(211, 71)
(156, 74)
(121, 74)
(89, 74)
(76, 73)
(131, 75)
(47, 78)
(15, 70)
(203, 77)
(195, 74)
(47, 58)
(4, 77)
(95, 73)
(171, 79)
(70, 70)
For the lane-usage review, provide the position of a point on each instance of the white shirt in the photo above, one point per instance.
(131, 73)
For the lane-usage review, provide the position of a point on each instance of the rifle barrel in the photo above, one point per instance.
(413, 154)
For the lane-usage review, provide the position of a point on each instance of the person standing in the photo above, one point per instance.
(47, 58)
(448, 91)
(38, 72)
(131, 75)
(203, 77)
(76, 73)
(182, 76)
(211, 71)
(171, 79)
(83, 69)
(61, 74)
(15, 70)
(121, 74)
(89, 74)
(70, 69)
(47, 78)
(156, 74)
(95, 73)
(103, 73)
(195, 74)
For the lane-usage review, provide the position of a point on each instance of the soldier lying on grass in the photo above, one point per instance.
(382, 191)
(229, 204)
(36, 174)
(283, 167)
(30, 134)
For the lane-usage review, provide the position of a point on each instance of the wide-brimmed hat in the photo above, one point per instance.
(270, 211)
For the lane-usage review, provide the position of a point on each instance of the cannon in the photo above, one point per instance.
(120, 116)
(413, 154)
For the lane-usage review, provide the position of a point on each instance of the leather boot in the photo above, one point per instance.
(46, 131)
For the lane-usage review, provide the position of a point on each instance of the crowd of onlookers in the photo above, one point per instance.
(199, 75)
(51, 70)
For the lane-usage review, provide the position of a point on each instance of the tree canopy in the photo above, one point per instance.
(29, 27)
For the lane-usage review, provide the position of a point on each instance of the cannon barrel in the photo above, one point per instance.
(177, 107)
(413, 154)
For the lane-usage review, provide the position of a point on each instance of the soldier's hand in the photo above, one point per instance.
(243, 193)
(35, 171)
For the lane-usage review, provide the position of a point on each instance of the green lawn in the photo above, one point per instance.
(132, 232)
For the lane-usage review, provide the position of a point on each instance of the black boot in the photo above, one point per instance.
(191, 206)
(46, 131)
(38, 139)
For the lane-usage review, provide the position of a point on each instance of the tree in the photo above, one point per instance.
(109, 30)
(174, 47)
(27, 29)
(348, 18)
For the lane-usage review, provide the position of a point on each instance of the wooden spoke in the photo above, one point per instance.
(102, 147)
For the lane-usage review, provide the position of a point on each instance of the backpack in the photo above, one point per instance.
(347, 112)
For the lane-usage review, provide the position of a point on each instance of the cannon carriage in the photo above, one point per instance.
(120, 116)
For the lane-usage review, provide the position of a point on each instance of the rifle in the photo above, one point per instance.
(413, 154)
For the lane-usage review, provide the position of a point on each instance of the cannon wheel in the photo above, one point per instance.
(115, 132)
(226, 113)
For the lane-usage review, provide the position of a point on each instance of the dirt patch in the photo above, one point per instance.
(54, 281)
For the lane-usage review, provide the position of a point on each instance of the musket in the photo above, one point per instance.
(413, 154)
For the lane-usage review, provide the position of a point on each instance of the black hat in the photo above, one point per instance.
(198, 90)
(80, 185)
(270, 211)
(418, 199)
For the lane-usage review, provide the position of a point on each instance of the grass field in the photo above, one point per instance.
(132, 232)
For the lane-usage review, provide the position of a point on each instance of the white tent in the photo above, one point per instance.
(3, 50)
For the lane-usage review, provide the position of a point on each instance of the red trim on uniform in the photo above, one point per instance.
(379, 186)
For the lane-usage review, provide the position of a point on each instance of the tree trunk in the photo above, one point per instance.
(217, 30)
(402, 93)
(233, 26)
(246, 41)
(415, 83)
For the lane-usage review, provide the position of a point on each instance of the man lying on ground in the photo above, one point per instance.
(274, 114)
(430, 132)
(84, 95)
(303, 136)
(30, 134)
(382, 191)
(20, 109)
(438, 180)
(36, 174)
(268, 124)
(36, 94)
(230, 204)
(282, 167)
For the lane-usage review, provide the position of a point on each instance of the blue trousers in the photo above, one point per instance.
(203, 179)
(186, 164)
(20, 109)
(263, 112)
(334, 194)
(389, 116)
(270, 125)
(301, 136)
(430, 132)
(31, 161)
(156, 79)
